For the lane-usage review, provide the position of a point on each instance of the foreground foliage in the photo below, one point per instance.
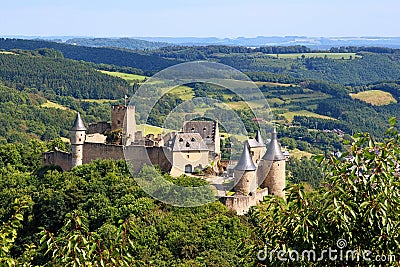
(96, 214)
(357, 210)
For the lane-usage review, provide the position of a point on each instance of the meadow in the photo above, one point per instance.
(130, 78)
(50, 104)
(375, 97)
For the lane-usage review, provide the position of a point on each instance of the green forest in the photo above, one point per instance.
(96, 215)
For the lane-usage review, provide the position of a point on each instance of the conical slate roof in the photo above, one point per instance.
(274, 152)
(245, 162)
(78, 124)
(259, 138)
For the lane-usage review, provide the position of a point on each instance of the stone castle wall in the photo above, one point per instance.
(93, 151)
(137, 155)
(241, 204)
(59, 158)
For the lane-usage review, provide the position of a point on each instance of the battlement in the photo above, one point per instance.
(242, 204)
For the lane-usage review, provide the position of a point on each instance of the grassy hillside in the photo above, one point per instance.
(130, 78)
(24, 116)
(78, 86)
(375, 97)
(96, 55)
(50, 104)
(289, 115)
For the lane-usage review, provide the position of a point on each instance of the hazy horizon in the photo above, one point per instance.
(206, 18)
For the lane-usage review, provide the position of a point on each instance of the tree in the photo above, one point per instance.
(8, 235)
(357, 209)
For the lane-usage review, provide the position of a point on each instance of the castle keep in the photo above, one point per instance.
(260, 170)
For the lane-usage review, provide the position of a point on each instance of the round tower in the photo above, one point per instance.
(274, 166)
(78, 136)
(245, 173)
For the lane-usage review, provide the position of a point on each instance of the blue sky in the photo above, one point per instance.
(202, 18)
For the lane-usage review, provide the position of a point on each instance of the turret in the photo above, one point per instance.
(259, 138)
(78, 136)
(245, 173)
(273, 166)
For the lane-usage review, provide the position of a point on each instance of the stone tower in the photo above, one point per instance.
(273, 168)
(123, 117)
(78, 136)
(245, 173)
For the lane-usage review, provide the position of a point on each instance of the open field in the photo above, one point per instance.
(244, 105)
(290, 115)
(320, 55)
(201, 110)
(375, 97)
(50, 104)
(150, 129)
(297, 153)
(183, 92)
(130, 78)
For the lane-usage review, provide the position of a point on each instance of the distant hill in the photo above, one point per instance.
(127, 43)
(361, 65)
(157, 42)
(54, 75)
(96, 55)
(312, 42)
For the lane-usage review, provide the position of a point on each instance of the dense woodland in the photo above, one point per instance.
(58, 76)
(97, 213)
(98, 55)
